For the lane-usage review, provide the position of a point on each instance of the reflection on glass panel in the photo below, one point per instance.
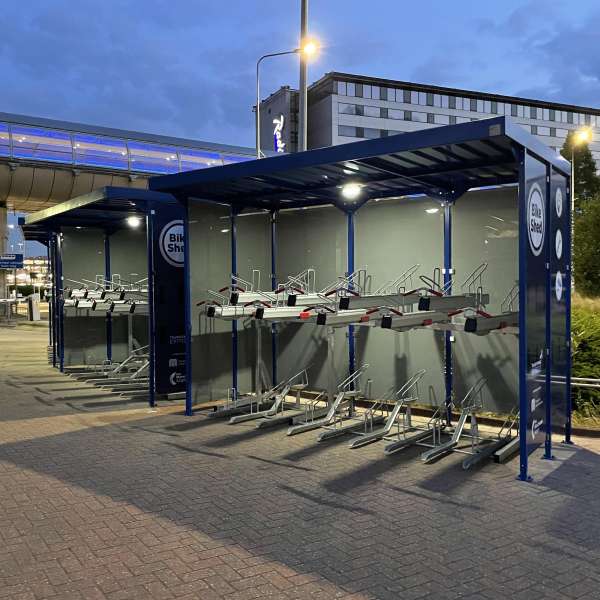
(190, 159)
(42, 144)
(99, 151)
(372, 111)
(346, 109)
(4, 140)
(395, 113)
(346, 131)
(152, 158)
(371, 133)
(420, 117)
(230, 158)
(341, 88)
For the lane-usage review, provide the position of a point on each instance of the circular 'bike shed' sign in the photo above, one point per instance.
(171, 242)
(536, 225)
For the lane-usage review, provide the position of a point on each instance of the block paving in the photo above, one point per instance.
(106, 501)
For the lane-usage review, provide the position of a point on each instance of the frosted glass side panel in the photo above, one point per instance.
(312, 238)
(210, 269)
(485, 229)
(391, 237)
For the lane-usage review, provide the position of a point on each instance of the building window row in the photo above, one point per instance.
(359, 90)
(398, 114)
(49, 145)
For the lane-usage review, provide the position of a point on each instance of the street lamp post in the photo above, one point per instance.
(581, 136)
(307, 49)
(259, 153)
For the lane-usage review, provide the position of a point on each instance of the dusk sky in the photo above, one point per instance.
(186, 67)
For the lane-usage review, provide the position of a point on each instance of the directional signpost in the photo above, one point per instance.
(11, 261)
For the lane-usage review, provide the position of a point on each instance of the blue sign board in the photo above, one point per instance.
(535, 230)
(559, 245)
(168, 300)
(11, 261)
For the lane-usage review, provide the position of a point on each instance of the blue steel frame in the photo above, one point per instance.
(523, 408)
(266, 183)
(52, 230)
(60, 304)
(234, 323)
(107, 276)
(187, 278)
(274, 214)
(52, 255)
(548, 417)
(569, 408)
(151, 315)
(448, 366)
(351, 267)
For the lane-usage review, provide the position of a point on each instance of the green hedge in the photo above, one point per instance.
(585, 325)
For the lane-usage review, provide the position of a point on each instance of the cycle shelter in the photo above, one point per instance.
(116, 257)
(346, 289)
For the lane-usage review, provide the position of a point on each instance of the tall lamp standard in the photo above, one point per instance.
(308, 49)
(581, 136)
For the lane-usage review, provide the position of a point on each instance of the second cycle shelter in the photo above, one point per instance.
(433, 264)
(117, 263)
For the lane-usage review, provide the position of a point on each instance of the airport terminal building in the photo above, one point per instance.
(345, 108)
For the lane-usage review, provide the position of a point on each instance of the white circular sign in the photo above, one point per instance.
(558, 202)
(558, 244)
(558, 286)
(171, 243)
(535, 219)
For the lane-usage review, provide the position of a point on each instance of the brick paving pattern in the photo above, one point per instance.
(106, 502)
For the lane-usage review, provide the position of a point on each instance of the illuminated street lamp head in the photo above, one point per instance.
(582, 136)
(134, 221)
(351, 191)
(309, 48)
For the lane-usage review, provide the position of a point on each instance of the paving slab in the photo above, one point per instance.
(124, 502)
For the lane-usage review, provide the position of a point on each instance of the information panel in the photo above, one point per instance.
(535, 223)
(11, 261)
(169, 300)
(559, 243)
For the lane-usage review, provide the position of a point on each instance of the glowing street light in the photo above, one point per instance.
(580, 137)
(308, 49)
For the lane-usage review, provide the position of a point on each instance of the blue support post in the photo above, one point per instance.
(523, 399)
(151, 315)
(274, 287)
(351, 346)
(107, 277)
(53, 299)
(60, 304)
(568, 247)
(49, 257)
(234, 324)
(448, 374)
(548, 394)
(188, 312)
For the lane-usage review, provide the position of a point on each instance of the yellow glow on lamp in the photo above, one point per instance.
(583, 136)
(309, 48)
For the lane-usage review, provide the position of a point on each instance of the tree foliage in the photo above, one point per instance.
(586, 248)
(586, 255)
(587, 182)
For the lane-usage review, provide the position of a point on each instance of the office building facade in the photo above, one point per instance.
(345, 108)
